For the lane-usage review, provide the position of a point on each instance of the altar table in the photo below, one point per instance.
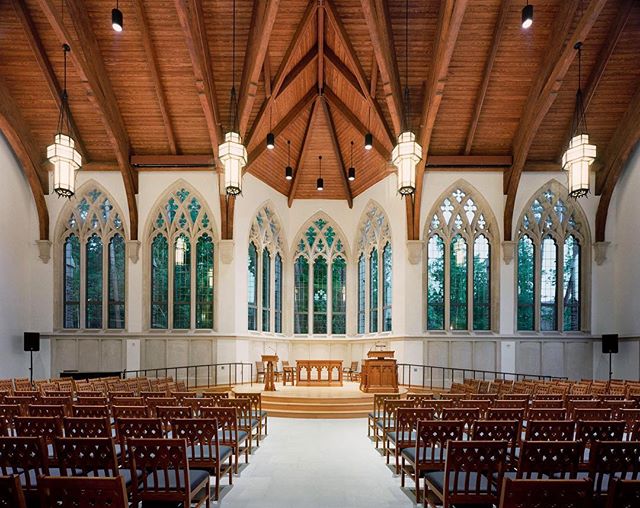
(333, 368)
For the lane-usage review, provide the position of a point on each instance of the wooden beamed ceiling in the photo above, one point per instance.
(485, 95)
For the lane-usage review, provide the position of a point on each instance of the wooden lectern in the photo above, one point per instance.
(379, 373)
(269, 384)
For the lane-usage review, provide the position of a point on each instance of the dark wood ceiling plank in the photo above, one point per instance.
(295, 182)
(338, 153)
(559, 57)
(298, 69)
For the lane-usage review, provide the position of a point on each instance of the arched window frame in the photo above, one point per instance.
(195, 226)
(374, 236)
(321, 237)
(77, 220)
(267, 236)
(560, 217)
(469, 228)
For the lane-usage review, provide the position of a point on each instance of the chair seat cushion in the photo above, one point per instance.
(204, 452)
(125, 473)
(196, 477)
(427, 454)
(436, 479)
(243, 423)
(242, 435)
(33, 475)
(380, 424)
(404, 436)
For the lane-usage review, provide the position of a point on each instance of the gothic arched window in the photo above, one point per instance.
(461, 235)
(264, 272)
(182, 247)
(375, 271)
(93, 246)
(552, 232)
(320, 280)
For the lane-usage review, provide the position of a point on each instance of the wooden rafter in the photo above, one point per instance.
(262, 21)
(498, 32)
(191, 20)
(308, 59)
(287, 60)
(266, 74)
(343, 70)
(227, 208)
(559, 57)
(303, 149)
(338, 153)
(449, 22)
(47, 69)
(321, 47)
(87, 60)
(17, 133)
(378, 23)
(624, 139)
(152, 62)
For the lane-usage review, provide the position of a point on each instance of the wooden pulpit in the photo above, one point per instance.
(379, 373)
(270, 361)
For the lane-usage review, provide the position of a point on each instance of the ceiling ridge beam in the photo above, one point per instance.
(337, 152)
(498, 32)
(301, 158)
(44, 63)
(262, 21)
(293, 113)
(298, 69)
(312, 7)
(152, 62)
(88, 63)
(543, 94)
(321, 48)
(378, 23)
(623, 141)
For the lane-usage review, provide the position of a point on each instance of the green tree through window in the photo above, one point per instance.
(526, 283)
(117, 288)
(204, 282)
(252, 287)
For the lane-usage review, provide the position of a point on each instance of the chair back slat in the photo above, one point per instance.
(82, 456)
(83, 492)
(613, 458)
(590, 431)
(510, 404)
(91, 401)
(11, 494)
(623, 493)
(180, 396)
(467, 414)
(542, 459)
(255, 399)
(546, 493)
(87, 427)
(127, 401)
(130, 412)
(202, 440)
(57, 411)
(227, 419)
(591, 414)
(496, 430)
(535, 413)
(378, 402)
(24, 454)
(406, 424)
(549, 430)
(506, 413)
(90, 411)
(49, 427)
(431, 442)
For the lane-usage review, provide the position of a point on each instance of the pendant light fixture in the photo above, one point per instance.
(62, 153)
(368, 137)
(320, 181)
(407, 153)
(232, 152)
(288, 172)
(579, 154)
(117, 18)
(527, 16)
(351, 175)
(271, 137)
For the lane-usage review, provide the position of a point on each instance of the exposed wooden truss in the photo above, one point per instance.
(336, 148)
(87, 60)
(301, 158)
(560, 55)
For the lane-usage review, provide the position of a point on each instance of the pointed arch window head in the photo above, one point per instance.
(373, 244)
(91, 234)
(264, 272)
(182, 263)
(320, 279)
(460, 236)
(551, 230)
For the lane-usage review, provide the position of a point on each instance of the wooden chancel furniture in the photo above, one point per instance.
(305, 372)
(379, 373)
(270, 361)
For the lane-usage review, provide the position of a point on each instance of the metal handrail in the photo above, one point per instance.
(232, 376)
(405, 370)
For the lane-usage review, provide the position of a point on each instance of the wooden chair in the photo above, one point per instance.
(153, 395)
(498, 430)
(90, 411)
(548, 396)
(466, 414)
(246, 421)
(24, 401)
(26, 456)
(169, 413)
(256, 411)
(430, 451)
(197, 403)
(41, 410)
(168, 477)
(153, 402)
(11, 495)
(376, 413)
(387, 424)
(515, 413)
(91, 401)
(405, 433)
(630, 416)
(423, 400)
(592, 414)
(216, 398)
(260, 371)
(549, 430)
(548, 459)
(94, 492)
(482, 404)
(288, 373)
(180, 396)
(609, 459)
(510, 404)
(623, 494)
(87, 427)
(534, 413)
(136, 428)
(588, 432)
(546, 493)
(350, 371)
(203, 448)
(130, 412)
(473, 474)
(547, 403)
(8, 412)
(229, 433)
(127, 401)
(47, 427)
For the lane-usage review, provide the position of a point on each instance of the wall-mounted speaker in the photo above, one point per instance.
(31, 341)
(610, 343)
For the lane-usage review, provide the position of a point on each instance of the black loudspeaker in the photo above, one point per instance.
(31, 341)
(610, 343)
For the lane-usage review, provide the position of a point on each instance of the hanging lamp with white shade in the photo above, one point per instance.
(62, 153)
(579, 154)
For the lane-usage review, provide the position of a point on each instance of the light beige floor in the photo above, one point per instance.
(316, 464)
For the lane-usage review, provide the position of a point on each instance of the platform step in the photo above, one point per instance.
(279, 399)
(328, 414)
(310, 405)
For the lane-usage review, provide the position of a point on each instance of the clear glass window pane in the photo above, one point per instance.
(361, 293)
(278, 293)
(435, 284)
(159, 282)
(301, 295)
(320, 296)
(252, 287)
(571, 284)
(526, 284)
(266, 290)
(387, 274)
(182, 283)
(548, 285)
(71, 318)
(458, 284)
(339, 296)
(481, 284)
(93, 268)
(117, 289)
(204, 282)
(373, 291)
